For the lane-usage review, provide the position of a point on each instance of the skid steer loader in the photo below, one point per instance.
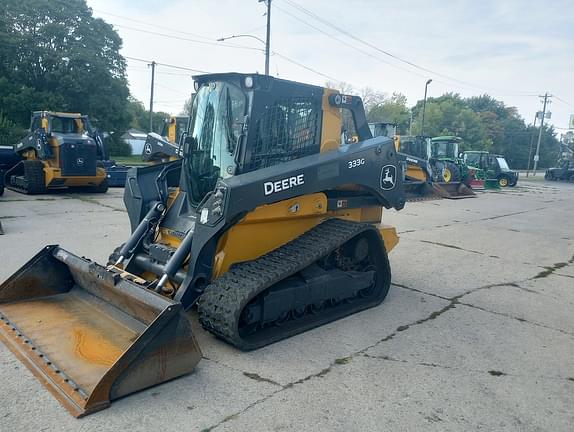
(62, 150)
(166, 146)
(268, 224)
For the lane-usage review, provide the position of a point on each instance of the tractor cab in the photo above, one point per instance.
(495, 167)
(444, 147)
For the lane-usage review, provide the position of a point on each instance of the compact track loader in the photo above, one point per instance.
(268, 224)
(167, 146)
(62, 150)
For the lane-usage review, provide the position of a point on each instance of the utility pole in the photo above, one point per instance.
(411, 123)
(153, 63)
(530, 148)
(268, 38)
(537, 155)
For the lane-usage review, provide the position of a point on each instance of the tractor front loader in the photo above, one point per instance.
(268, 223)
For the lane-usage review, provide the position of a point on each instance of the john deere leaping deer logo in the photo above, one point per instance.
(388, 177)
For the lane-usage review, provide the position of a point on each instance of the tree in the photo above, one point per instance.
(568, 139)
(57, 56)
(10, 133)
(186, 111)
(140, 117)
(391, 110)
(449, 115)
(372, 98)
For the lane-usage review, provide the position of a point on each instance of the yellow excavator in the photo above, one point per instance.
(62, 150)
(268, 223)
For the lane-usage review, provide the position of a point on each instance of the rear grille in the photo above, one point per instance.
(78, 158)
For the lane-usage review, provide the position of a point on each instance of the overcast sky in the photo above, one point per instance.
(511, 49)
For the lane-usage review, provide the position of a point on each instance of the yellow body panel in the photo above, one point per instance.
(54, 178)
(331, 128)
(415, 173)
(171, 130)
(271, 226)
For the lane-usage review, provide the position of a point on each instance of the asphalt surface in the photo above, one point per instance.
(477, 332)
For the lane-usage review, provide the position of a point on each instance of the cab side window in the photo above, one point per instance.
(288, 130)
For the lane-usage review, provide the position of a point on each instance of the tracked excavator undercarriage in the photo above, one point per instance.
(268, 224)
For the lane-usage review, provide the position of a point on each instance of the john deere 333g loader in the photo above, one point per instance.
(62, 150)
(268, 223)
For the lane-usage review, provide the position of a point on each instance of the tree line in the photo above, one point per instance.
(55, 55)
(483, 122)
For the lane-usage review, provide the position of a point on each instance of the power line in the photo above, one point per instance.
(154, 25)
(563, 101)
(167, 65)
(290, 60)
(207, 42)
(168, 88)
(218, 44)
(344, 42)
(384, 52)
(258, 49)
(147, 23)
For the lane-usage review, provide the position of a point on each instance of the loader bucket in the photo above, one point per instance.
(89, 335)
(453, 190)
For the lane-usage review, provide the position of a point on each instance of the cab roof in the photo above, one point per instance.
(447, 138)
(259, 80)
(58, 114)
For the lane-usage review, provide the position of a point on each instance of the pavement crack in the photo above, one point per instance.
(96, 202)
(506, 215)
(257, 377)
(522, 320)
(454, 247)
(496, 285)
(491, 372)
(420, 291)
(549, 270)
(238, 413)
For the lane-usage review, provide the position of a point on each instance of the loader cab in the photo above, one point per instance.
(223, 141)
(60, 123)
(417, 146)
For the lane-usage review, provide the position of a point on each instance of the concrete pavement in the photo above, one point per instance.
(477, 332)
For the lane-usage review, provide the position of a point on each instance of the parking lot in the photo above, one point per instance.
(477, 332)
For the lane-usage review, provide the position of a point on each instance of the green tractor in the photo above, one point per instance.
(498, 173)
(446, 164)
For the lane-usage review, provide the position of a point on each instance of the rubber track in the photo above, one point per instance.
(222, 302)
(34, 175)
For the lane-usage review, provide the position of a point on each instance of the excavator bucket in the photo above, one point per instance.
(453, 190)
(89, 335)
